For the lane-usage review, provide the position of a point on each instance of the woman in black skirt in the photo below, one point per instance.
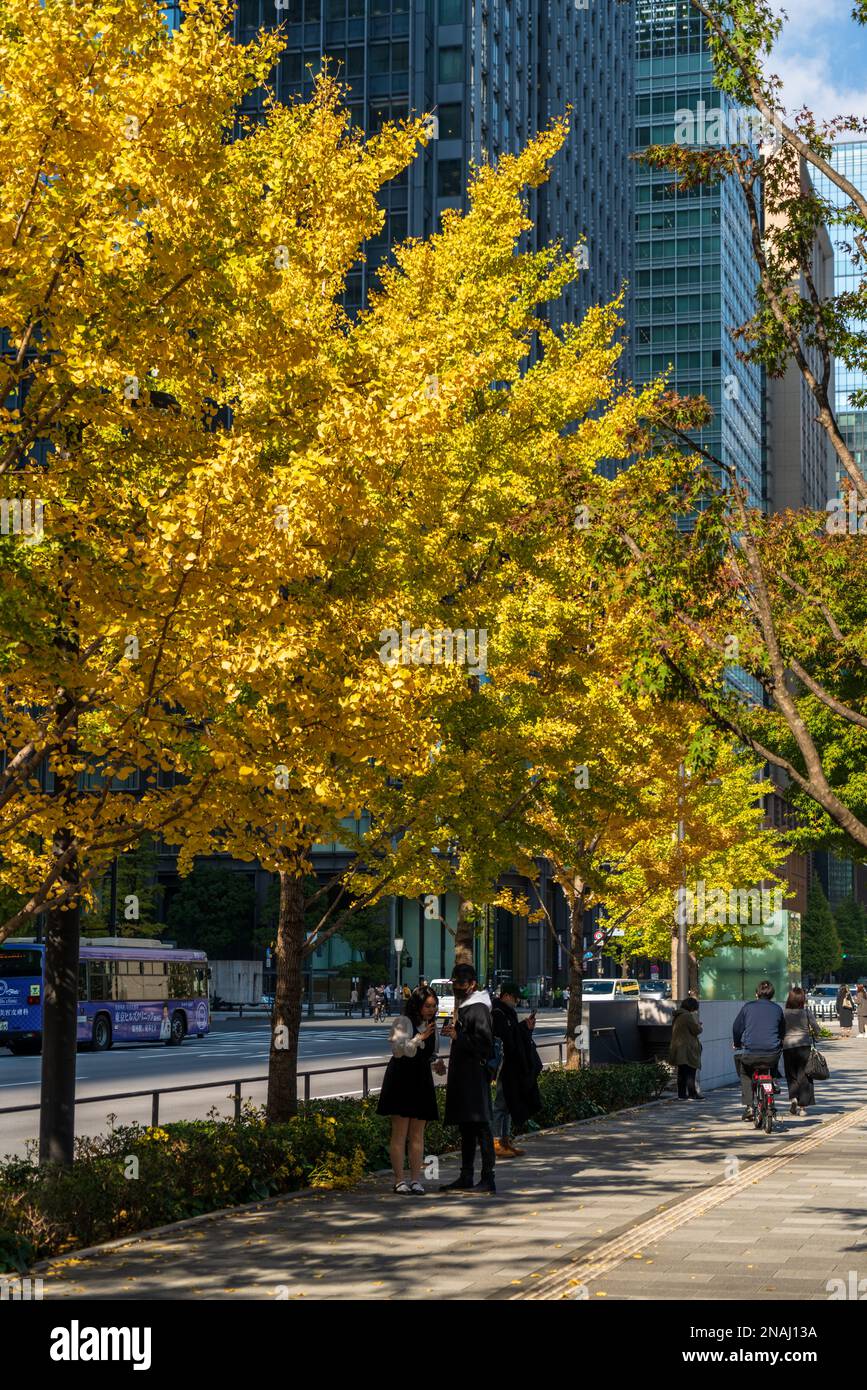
(407, 1093)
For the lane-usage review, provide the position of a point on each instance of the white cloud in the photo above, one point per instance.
(821, 57)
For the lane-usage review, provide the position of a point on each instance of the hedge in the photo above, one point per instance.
(136, 1177)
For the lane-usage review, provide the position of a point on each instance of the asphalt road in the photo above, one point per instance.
(235, 1050)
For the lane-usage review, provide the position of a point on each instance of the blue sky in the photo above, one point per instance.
(822, 57)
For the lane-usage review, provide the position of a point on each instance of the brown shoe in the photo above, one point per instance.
(515, 1152)
(503, 1149)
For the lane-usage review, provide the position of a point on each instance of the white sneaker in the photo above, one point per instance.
(416, 1189)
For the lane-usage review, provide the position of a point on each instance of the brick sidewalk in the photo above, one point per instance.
(781, 1235)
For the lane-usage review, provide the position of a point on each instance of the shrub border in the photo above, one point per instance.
(55, 1263)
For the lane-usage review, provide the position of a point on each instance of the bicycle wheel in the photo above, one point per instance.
(759, 1110)
(769, 1119)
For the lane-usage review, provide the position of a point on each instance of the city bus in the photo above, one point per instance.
(128, 991)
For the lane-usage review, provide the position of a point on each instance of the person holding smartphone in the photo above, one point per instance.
(517, 1096)
(408, 1095)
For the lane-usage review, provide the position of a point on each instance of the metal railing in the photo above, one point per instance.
(236, 1093)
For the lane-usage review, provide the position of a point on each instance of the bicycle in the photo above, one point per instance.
(764, 1109)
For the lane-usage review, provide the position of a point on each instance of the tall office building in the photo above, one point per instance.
(695, 279)
(800, 459)
(850, 159)
(494, 72)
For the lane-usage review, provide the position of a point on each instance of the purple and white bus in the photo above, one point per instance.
(128, 991)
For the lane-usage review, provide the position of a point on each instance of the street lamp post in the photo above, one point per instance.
(398, 951)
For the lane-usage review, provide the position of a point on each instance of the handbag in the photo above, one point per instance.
(816, 1068)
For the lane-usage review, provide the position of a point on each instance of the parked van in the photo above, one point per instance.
(446, 991)
(593, 989)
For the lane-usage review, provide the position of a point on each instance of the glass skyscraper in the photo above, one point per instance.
(850, 159)
(494, 72)
(695, 278)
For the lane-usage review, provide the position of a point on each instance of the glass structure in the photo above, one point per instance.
(850, 159)
(494, 73)
(695, 279)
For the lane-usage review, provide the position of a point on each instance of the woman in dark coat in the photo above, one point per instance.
(517, 1096)
(468, 1087)
(408, 1093)
(801, 1028)
(845, 1010)
(685, 1053)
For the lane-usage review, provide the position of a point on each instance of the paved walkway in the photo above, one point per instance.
(676, 1200)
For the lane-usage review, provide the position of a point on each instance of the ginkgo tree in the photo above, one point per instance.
(429, 480)
(170, 302)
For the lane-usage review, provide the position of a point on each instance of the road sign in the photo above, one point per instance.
(598, 936)
(588, 955)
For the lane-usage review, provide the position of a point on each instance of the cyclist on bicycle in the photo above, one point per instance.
(757, 1034)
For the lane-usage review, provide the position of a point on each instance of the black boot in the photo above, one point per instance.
(486, 1185)
(462, 1183)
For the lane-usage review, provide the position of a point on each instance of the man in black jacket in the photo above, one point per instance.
(468, 1085)
(759, 1030)
(517, 1096)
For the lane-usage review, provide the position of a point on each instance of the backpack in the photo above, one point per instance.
(495, 1061)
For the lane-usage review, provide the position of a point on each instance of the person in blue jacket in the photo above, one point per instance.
(757, 1033)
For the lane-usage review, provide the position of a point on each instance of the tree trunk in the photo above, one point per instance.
(60, 1022)
(286, 1019)
(465, 936)
(576, 980)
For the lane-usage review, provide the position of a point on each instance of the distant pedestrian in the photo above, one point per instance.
(468, 1087)
(407, 993)
(517, 1095)
(408, 1094)
(845, 1010)
(353, 1000)
(371, 999)
(861, 1010)
(685, 1051)
(801, 1029)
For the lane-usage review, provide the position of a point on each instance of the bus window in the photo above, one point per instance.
(180, 980)
(101, 980)
(16, 964)
(156, 981)
(82, 980)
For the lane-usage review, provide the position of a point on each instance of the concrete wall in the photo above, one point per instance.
(717, 1057)
(237, 981)
(716, 1017)
(621, 1014)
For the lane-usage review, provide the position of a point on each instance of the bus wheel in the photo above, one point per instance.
(179, 1029)
(101, 1041)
